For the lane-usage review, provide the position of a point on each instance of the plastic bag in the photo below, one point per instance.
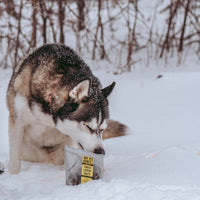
(82, 166)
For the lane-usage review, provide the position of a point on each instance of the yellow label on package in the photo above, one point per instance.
(85, 179)
(87, 169)
(88, 160)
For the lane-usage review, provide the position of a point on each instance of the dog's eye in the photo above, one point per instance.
(74, 106)
(101, 130)
(85, 99)
(90, 129)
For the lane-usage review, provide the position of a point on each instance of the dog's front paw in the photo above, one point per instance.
(77, 179)
(14, 167)
(96, 175)
(73, 180)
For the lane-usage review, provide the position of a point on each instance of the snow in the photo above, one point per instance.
(159, 159)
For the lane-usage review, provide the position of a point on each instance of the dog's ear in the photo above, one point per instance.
(107, 90)
(80, 91)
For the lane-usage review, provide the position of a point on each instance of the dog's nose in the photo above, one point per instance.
(99, 150)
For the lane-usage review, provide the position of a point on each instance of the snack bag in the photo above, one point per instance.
(82, 166)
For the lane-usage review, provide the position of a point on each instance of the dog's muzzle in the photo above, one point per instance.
(99, 150)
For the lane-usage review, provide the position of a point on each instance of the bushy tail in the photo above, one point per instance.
(114, 129)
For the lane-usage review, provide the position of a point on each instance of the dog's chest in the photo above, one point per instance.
(42, 136)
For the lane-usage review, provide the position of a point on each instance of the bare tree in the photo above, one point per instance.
(18, 33)
(132, 41)
(98, 33)
(34, 24)
(99, 26)
(10, 8)
(81, 14)
(61, 20)
(172, 12)
(184, 26)
(43, 11)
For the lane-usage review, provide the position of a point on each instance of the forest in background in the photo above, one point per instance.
(120, 32)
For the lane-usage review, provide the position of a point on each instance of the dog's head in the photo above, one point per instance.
(84, 114)
(78, 106)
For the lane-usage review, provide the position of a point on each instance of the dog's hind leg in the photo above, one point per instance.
(16, 131)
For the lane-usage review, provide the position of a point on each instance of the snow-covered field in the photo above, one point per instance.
(160, 159)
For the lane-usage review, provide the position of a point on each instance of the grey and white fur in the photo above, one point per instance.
(54, 100)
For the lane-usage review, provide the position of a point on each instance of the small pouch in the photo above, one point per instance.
(82, 166)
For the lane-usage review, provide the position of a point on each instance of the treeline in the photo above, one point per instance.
(122, 32)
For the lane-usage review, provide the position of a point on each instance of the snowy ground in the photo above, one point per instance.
(160, 159)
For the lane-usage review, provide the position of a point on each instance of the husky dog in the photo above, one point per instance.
(54, 100)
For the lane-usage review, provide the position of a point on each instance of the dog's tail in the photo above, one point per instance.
(114, 129)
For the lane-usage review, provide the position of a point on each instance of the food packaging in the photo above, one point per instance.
(82, 166)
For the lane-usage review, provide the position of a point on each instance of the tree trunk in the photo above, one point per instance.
(184, 26)
(172, 14)
(81, 15)
(99, 25)
(18, 33)
(61, 21)
(34, 25)
(44, 19)
(132, 39)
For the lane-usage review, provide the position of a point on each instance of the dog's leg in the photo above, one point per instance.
(16, 130)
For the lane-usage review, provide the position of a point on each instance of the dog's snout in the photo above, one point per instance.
(99, 150)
